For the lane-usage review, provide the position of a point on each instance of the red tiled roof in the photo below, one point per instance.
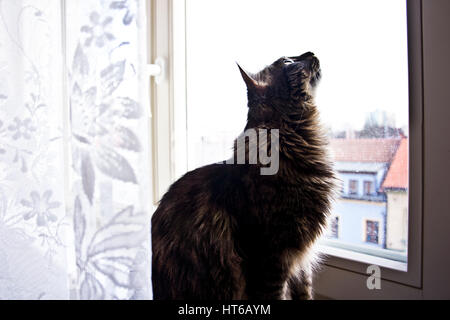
(397, 175)
(364, 150)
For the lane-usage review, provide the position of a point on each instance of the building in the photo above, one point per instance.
(359, 215)
(395, 186)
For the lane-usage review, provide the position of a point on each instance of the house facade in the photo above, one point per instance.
(359, 216)
(395, 186)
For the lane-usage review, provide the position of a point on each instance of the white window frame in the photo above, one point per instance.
(339, 278)
(161, 92)
(411, 280)
(399, 283)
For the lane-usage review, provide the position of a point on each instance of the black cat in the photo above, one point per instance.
(227, 231)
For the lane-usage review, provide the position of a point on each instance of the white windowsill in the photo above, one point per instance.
(362, 257)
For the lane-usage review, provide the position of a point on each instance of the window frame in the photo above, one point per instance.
(411, 280)
(163, 46)
(169, 105)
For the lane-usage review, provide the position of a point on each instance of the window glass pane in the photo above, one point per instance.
(362, 97)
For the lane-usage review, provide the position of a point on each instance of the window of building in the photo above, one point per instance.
(368, 188)
(353, 187)
(371, 232)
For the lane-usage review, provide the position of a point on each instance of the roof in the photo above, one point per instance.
(368, 167)
(364, 150)
(397, 175)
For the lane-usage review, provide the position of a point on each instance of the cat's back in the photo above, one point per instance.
(208, 186)
(192, 237)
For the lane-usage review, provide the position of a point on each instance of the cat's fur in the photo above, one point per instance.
(226, 231)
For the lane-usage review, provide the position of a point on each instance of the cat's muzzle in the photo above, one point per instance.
(311, 62)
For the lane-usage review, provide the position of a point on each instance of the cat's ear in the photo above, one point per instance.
(249, 81)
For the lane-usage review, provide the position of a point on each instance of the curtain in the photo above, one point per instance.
(75, 194)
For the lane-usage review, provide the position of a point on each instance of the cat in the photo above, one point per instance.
(227, 231)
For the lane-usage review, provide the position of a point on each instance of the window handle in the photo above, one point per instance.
(157, 70)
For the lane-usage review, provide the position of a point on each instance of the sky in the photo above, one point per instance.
(361, 45)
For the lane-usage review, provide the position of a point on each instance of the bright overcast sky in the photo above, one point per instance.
(361, 45)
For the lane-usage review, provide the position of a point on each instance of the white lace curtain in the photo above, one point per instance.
(74, 150)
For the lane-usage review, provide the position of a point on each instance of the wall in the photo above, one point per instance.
(352, 215)
(397, 217)
(436, 223)
(353, 212)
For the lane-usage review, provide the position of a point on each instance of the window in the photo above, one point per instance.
(368, 188)
(371, 231)
(369, 138)
(353, 187)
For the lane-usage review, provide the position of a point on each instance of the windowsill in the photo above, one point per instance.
(380, 257)
(365, 197)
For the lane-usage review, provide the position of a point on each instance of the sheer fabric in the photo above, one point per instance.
(74, 150)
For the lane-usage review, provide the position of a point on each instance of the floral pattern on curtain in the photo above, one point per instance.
(74, 145)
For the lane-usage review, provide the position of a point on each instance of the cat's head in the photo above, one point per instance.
(286, 83)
